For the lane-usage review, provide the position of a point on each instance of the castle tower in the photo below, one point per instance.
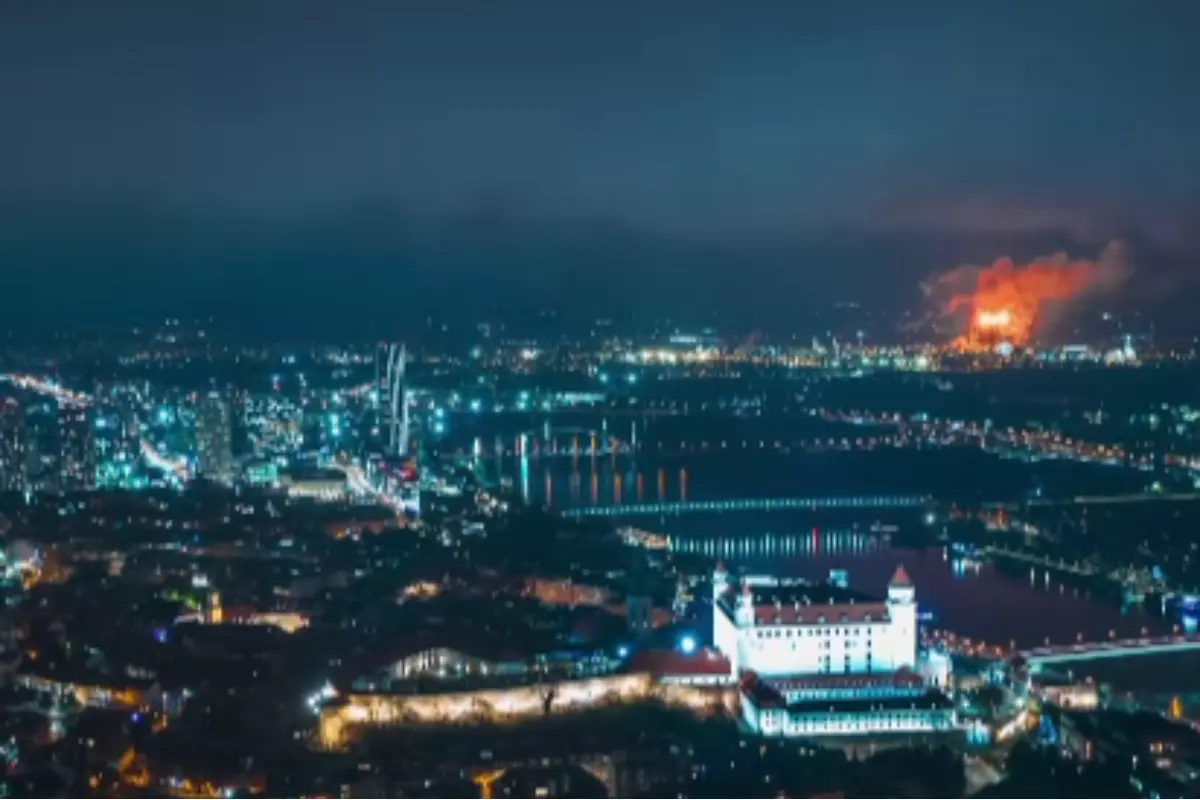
(745, 607)
(902, 611)
(720, 581)
(215, 614)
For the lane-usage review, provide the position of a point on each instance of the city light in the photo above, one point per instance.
(570, 494)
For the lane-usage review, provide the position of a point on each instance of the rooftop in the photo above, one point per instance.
(673, 662)
(900, 579)
(806, 604)
(902, 678)
(764, 695)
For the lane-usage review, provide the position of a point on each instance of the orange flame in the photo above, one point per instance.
(993, 319)
(1006, 302)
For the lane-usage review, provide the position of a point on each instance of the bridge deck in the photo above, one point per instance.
(757, 504)
(1120, 648)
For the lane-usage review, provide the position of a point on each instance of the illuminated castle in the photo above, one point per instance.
(821, 660)
(772, 627)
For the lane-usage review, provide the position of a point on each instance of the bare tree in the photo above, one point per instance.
(548, 692)
(482, 711)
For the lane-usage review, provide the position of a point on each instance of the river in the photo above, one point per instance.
(976, 600)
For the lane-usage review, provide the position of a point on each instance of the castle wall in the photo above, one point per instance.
(340, 724)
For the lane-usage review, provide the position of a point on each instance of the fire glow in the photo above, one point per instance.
(993, 319)
(1009, 303)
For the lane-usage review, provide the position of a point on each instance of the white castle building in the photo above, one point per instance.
(820, 660)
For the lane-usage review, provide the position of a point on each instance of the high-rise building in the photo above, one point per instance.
(214, 438)
(13, 466)
(41, 446)
(391, 396)
(76, 449)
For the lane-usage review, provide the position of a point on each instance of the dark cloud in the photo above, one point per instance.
(1086, 223)
(377, 265)
(536, 146)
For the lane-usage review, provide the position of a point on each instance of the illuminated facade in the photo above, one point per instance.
(117, 441)
(781, 628)
(13, 467)
(554, 592)
(76, 449)
(867, 706)
(824, 660)
(439, 662)
(217, 614)
(214, 438)
(346, 716)
(262, 473)
(134, 694)
(327, 487)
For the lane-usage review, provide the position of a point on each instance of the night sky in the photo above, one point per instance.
(379, 158)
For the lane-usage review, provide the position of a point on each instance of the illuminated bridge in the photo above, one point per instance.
(1116, 648)
(759, 504)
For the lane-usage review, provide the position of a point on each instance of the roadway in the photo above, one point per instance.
(1009, 441)
(980, 774)
(357, 480)
(1064, 653)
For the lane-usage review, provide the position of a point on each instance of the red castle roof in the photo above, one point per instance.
(820, 614)
(673, 663)
(900, 579)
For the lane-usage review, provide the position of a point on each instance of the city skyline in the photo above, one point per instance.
(525, 398)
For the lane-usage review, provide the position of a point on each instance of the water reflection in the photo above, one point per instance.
(505, 446)
(974, 599)
(778, 545)
(609, 481)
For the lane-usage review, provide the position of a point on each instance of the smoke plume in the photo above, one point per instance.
(1014, 303)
